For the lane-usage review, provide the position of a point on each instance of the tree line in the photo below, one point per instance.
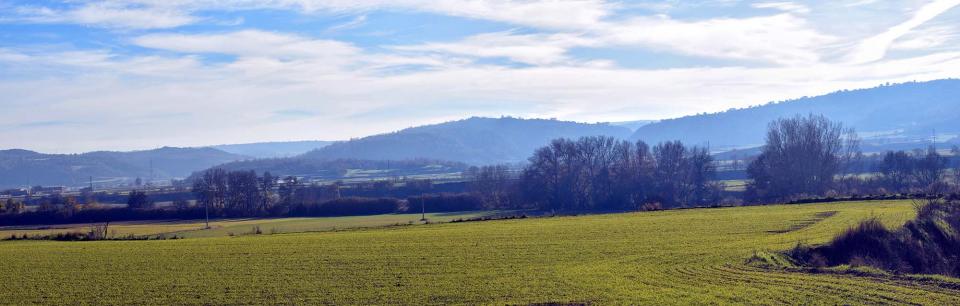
(803, 157)
(602, 173)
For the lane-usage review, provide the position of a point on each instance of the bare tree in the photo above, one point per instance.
(802, 156)
(243, 193)
(670, 172)
(544, 178)
(851, 156)
(268, 197)
(700, 172)
(898, 170)
(492, 183)
(602, 173)
(930, 168)
(139, 200)
(211, 189)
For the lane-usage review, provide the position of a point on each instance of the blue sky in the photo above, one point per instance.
(137, 74)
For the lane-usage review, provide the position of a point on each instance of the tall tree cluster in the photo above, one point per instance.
(902, 171)
(11, 207)
(139, 200)
(235, 192)
(494, 185)
(802, 157)
(604, 173)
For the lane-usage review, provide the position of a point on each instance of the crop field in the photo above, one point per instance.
(232, 227)
(695, 256)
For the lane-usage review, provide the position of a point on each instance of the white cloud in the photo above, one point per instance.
(249, 43)
(109, 15)
(784, 6)
(353, 23)
(781, 38)
(552, 14)
(857, 3)
(875, 48)
(146, 14)
(287, 57)
(925, 39)
(534, 49)
(177, 100)
(174, 94)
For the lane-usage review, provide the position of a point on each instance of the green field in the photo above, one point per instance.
(235, 227)
(694, 256)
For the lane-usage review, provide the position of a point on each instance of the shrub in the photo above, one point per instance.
(929, 244)
(653, 206)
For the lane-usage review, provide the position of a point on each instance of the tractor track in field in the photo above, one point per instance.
(805, 223)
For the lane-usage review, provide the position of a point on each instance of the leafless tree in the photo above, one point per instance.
(603, 173)
(898, 170)
(930, 168)
(802, 156)
(492, 184)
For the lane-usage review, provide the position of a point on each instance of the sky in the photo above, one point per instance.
(77, 76)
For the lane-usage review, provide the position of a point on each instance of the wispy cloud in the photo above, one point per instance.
(784, 6)
(299, 72)
(781, 38)
(107, 14)
(147, 14)
(875, 48)
(534, 49)
(353, 23)
(926, 39)
(249, 43)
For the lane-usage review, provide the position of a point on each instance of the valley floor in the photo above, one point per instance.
(694, 256)
(238, 227)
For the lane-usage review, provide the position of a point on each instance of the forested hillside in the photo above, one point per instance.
(23, 167)
(902, 111)
(272, 149)
(474, 140)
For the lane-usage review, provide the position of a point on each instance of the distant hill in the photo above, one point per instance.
(23, 168)
(474, 141)
(273, 149)
(633, 125)
(906, 112)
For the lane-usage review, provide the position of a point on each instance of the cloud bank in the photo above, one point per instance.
(142, 74)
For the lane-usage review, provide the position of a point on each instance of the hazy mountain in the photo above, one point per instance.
(904, 112)
(633, 125)
(273, 149)
(473, 141)
(23, 168)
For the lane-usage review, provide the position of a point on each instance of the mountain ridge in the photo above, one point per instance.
(912, 109)
(474, 140)
(20, 168)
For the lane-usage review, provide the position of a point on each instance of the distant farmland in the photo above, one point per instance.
(237, 227)
(692, 256)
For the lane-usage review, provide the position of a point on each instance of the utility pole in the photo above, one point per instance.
(934, 140)
(206, 213)
(423, 209)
